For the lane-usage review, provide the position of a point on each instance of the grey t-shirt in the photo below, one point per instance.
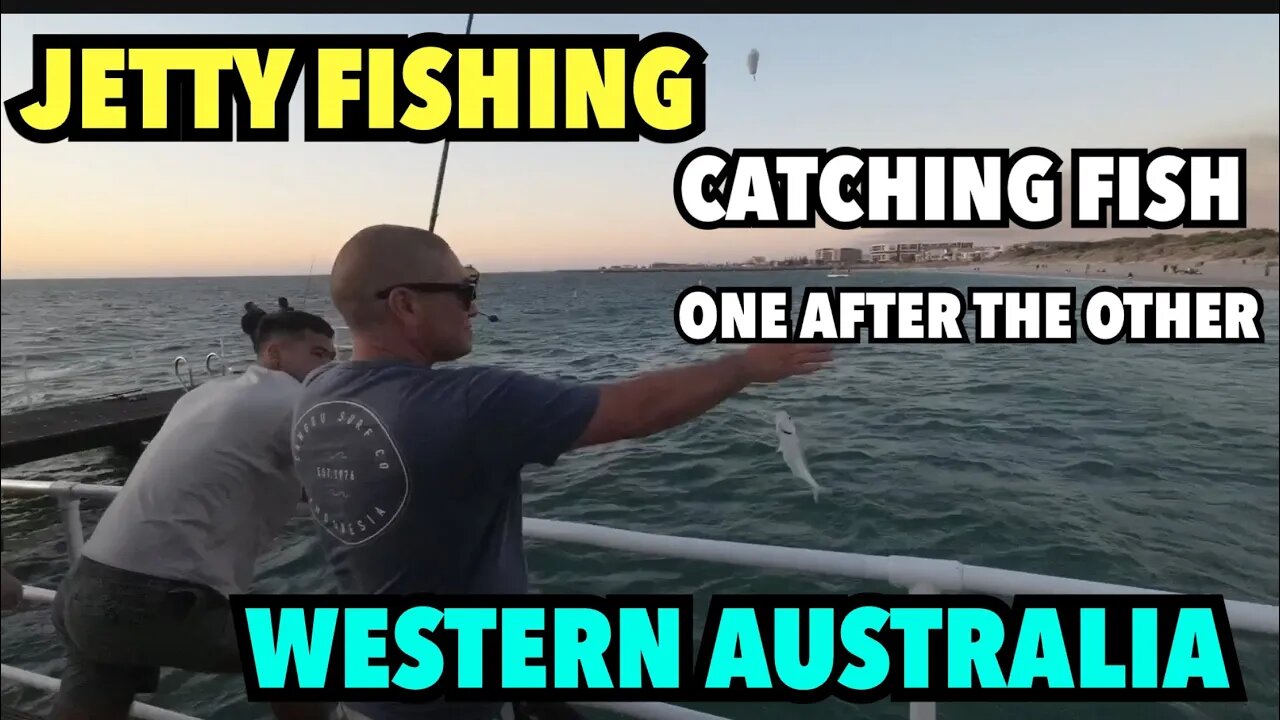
(413, 474)
(213, 489)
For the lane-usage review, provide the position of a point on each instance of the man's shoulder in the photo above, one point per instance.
(491, 374)
(507, 389)
(479, 381)
(263, 388)
(276, 381)
(256, 386)
(339, 373)
(257, 400)
(377, 383)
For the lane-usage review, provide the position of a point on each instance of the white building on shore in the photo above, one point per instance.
(837, 256)
(931, 252)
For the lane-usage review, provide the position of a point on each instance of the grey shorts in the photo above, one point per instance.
(120, 628)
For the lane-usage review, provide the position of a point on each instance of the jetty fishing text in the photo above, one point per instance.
(359, 88)
(852, 188)
(789, 648)
(1022, 314)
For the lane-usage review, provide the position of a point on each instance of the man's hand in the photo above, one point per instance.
(769, 363)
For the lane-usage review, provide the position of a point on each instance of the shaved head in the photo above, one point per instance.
(404, 295)
(379, 257)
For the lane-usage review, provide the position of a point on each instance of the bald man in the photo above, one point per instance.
(413, 471)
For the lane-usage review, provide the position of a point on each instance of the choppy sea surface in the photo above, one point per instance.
(1149, 465)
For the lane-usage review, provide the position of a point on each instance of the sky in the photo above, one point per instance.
(173, 209)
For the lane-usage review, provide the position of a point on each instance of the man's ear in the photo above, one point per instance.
(271, 356)
(400, 304)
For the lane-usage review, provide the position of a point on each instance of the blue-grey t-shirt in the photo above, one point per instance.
(413, 474)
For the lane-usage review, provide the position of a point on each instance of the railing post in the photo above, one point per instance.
(923, 710)
(69, 509)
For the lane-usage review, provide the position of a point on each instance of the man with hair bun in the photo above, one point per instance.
(203, 503)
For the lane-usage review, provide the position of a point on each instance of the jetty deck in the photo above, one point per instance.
(121, 421)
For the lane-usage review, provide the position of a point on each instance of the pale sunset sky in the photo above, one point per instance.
(172, 209)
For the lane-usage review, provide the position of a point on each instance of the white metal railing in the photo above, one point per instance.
(69, 495)
(917, 575)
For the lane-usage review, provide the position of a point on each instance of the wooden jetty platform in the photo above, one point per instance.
(121, 421)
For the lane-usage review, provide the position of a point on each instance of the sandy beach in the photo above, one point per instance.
(1212, 272)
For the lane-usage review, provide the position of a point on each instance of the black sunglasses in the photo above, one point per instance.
(465, 291)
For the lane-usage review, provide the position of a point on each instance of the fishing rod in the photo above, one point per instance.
(435, 204)
(444, 158)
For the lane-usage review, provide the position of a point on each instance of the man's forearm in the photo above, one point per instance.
(663, 399)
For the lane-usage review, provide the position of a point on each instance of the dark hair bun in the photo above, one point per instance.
(251, 319)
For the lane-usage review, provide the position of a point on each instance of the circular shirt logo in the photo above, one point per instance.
(354, 476)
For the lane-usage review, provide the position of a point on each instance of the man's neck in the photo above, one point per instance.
(373, 348)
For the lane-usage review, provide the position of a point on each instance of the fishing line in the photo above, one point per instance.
(306, 289)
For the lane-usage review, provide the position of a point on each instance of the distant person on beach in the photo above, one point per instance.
(413, 470)
(284, 304)
(202, 504)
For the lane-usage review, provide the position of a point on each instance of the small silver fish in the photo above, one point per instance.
(789, 446)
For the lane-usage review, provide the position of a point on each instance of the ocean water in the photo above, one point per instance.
(1147, 465)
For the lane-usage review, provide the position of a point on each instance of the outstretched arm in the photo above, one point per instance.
(660, 400)
(527, 419)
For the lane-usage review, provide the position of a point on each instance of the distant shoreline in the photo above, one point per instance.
(706, 268)
(1221, 248)
(775, 268)
(1212, 273)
